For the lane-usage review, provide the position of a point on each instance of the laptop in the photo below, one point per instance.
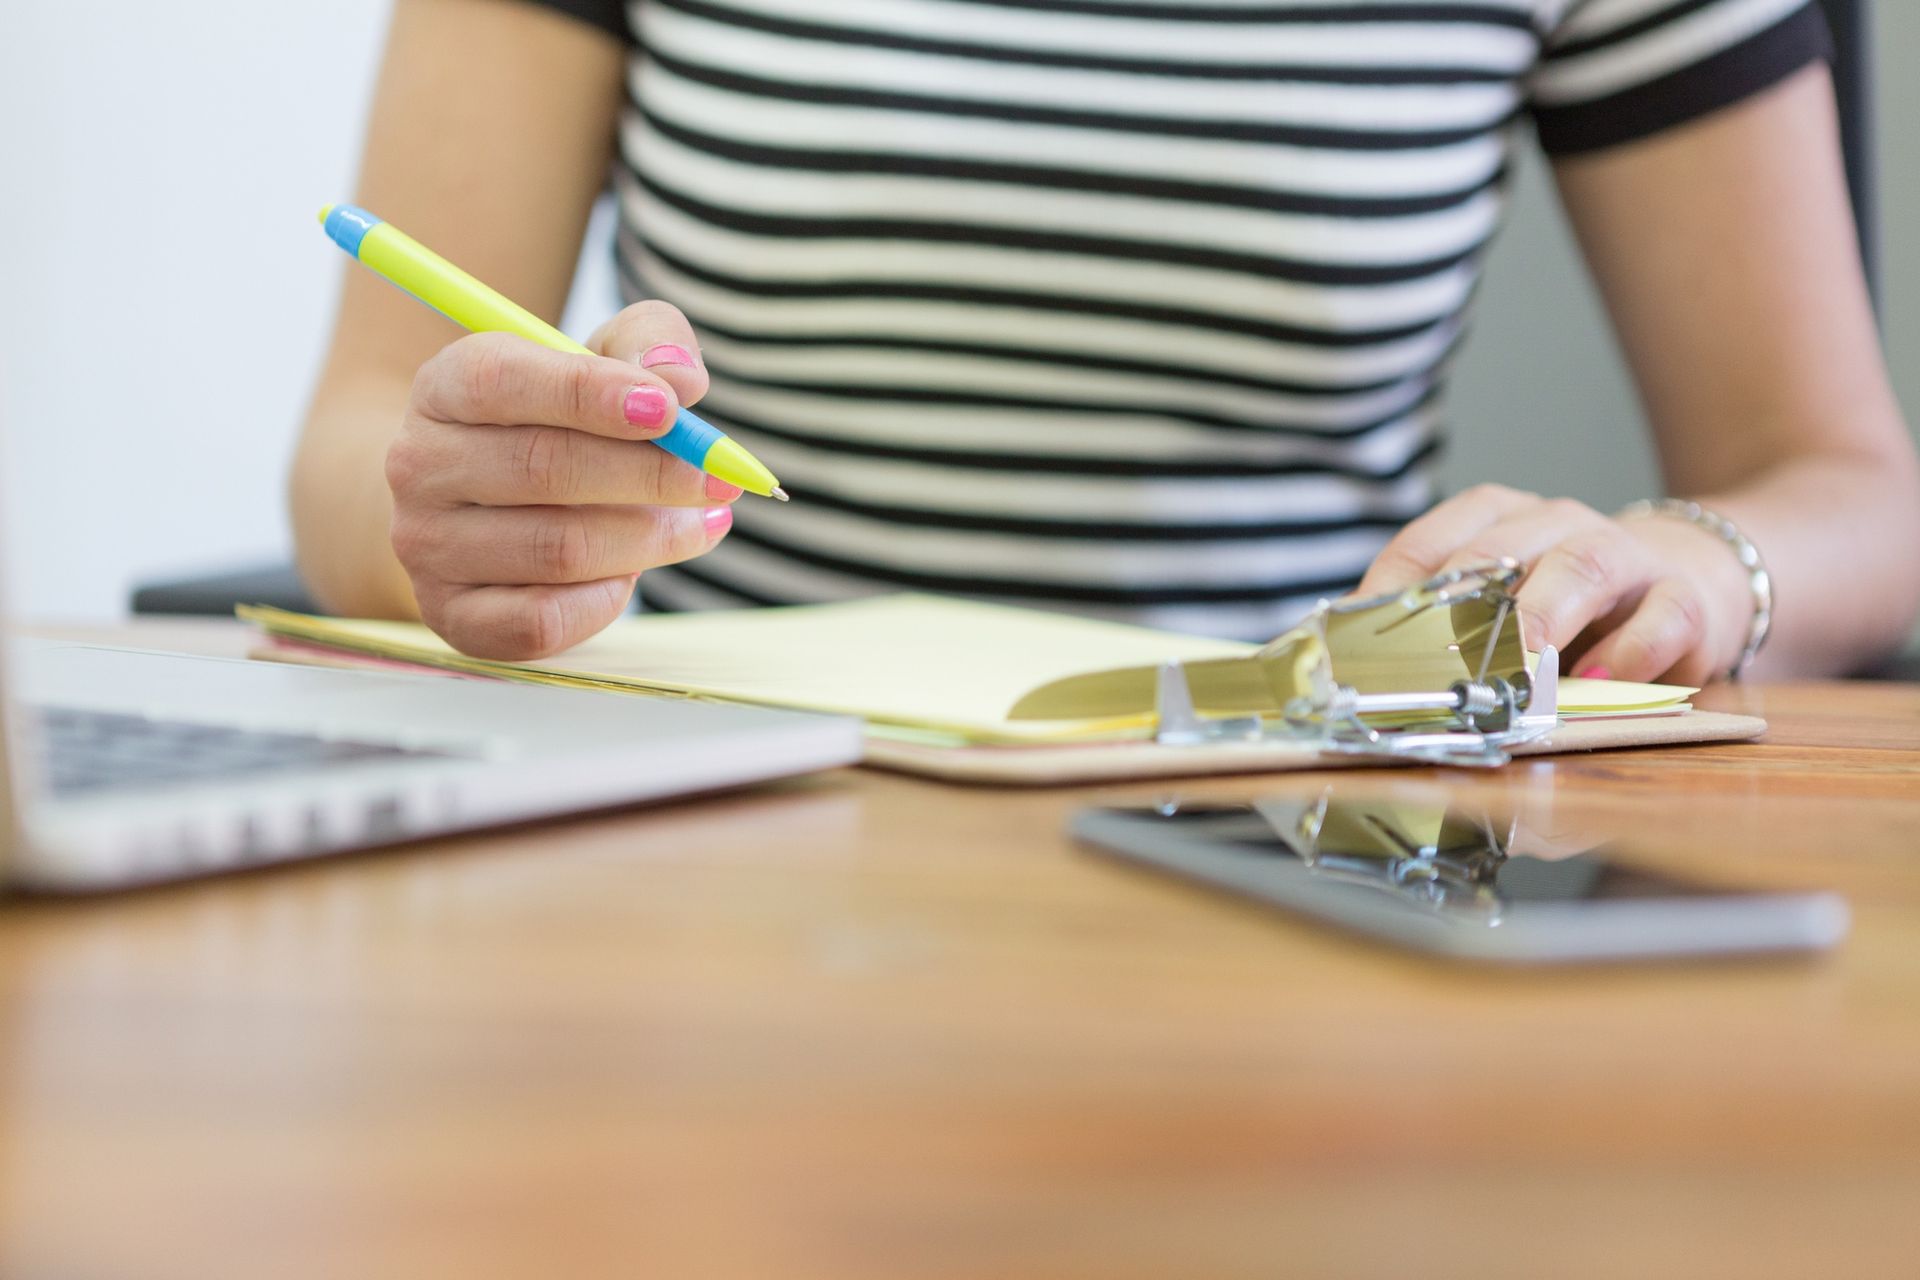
(121, 768)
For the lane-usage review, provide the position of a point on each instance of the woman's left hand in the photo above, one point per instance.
(1640, 599)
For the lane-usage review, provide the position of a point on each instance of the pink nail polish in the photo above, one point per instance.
(718, 521)
(666, 353)
(646, 407)
(1594, 673)
(719, 490)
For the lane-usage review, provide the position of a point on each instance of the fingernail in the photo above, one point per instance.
(1595, 672)
(718, 521)
(719, 490)
(666, 353)
(646, 407)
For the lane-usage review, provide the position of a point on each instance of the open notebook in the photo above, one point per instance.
(923, 670)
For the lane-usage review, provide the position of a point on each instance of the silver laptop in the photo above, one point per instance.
(130, 767)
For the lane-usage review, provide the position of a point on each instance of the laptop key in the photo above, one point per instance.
(91, 751)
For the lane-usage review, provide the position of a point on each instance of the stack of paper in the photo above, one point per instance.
(916, 668)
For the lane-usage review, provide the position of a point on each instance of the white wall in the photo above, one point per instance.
(166, 285)
(149, 397)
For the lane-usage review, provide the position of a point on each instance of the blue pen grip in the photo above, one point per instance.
(690, 438)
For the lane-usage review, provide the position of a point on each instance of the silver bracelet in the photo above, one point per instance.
(1759, 581)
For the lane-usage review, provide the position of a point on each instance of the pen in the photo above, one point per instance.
(405, 262)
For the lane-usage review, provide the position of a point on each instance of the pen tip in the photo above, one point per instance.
(779, 493)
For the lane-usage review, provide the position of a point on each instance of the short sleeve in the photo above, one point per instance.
(608, 15)
(1612, 71)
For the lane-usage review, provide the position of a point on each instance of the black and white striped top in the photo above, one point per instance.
(1135, 307)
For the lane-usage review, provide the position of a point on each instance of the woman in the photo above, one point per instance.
(1135, 307)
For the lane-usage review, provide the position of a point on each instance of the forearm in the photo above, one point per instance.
(340, 503)
(1840, 534)
(1726, 252)
(489, 139)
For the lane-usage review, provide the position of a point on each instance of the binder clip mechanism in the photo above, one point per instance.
(1494, 704)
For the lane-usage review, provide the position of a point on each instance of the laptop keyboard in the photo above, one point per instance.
(88, 751)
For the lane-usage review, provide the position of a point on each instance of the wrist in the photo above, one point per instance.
(340, 511)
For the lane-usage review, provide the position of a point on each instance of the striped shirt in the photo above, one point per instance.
(1139, 308)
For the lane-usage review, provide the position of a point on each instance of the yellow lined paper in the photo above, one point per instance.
(922, 666)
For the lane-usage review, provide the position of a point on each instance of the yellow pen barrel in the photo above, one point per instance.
(463, 299)
(452, 292)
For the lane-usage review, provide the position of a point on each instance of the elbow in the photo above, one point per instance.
(1905, 541)
(1888, 539)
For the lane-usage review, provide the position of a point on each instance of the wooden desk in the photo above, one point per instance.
(869, 1026)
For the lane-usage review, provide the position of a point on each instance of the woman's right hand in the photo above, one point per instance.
(526, 499)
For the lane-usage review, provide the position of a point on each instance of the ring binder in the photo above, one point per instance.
(1347, 700)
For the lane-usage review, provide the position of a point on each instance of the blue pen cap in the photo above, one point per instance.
(347, 225)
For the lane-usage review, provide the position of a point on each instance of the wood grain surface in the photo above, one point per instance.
(865, 1025)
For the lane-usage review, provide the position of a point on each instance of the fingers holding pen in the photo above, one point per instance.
(525, 505)
(523, 623)
(658, 338)
(528, 495)
(471, 546)
(516, 466)
(497, 379)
